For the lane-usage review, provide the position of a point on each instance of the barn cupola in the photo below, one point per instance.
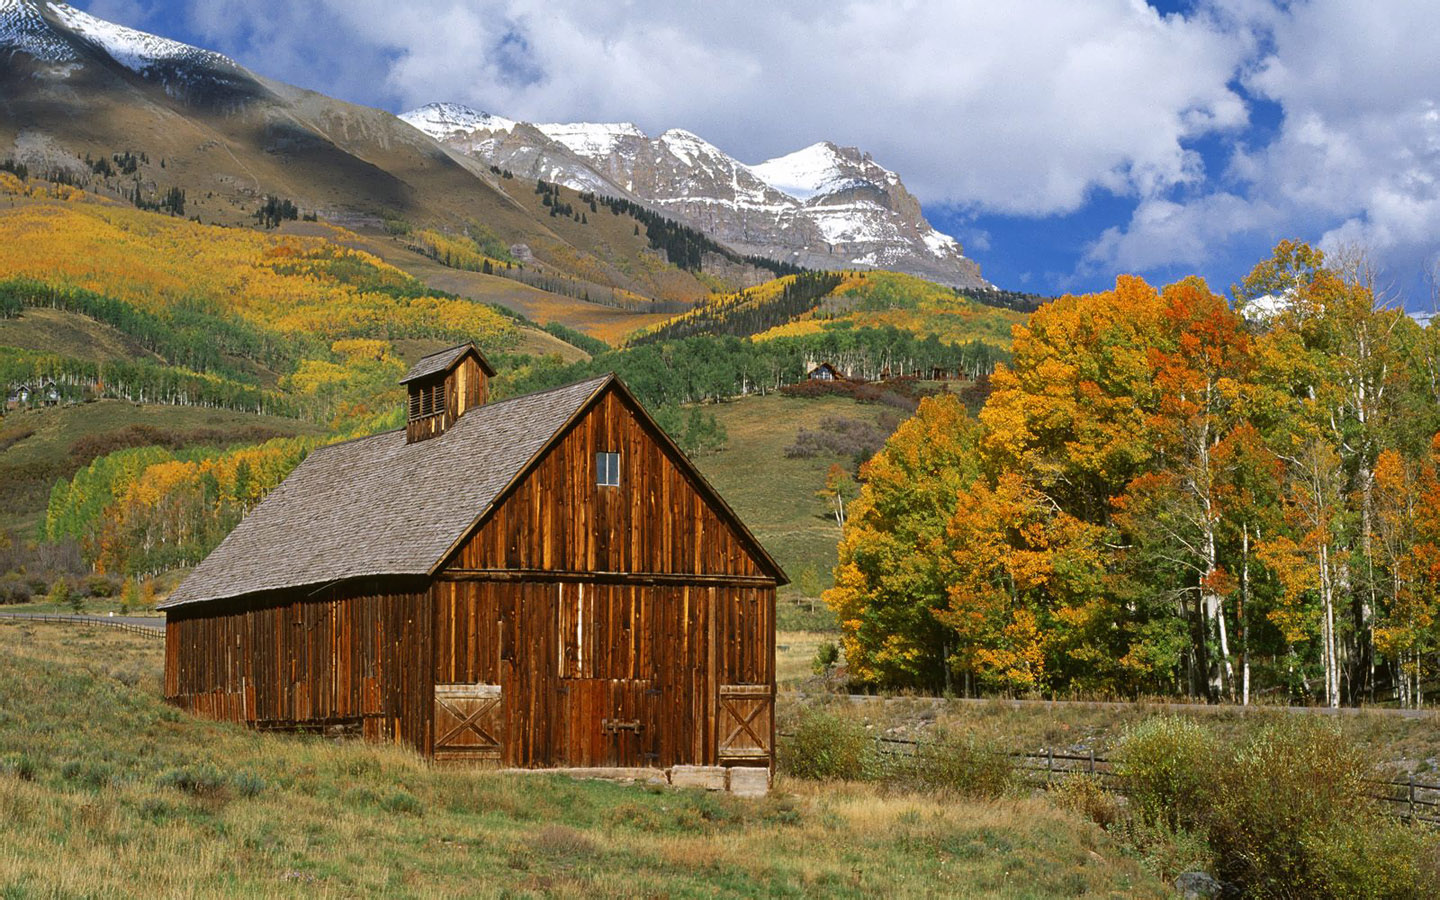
(441, 387)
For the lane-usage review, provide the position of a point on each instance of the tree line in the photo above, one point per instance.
(751, 311)
(701, 368)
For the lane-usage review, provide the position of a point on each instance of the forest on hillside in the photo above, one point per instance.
(1162, 496)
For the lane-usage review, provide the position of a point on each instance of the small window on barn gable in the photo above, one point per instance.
(607, 469)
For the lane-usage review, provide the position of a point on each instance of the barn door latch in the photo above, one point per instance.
(615, 726)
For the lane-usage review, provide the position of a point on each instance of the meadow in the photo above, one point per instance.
(107, 791)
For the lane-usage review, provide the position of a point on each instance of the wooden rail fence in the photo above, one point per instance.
(145, 630)
(1412, 800)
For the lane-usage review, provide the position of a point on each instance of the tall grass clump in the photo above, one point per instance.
(826, 746)
(958, 765)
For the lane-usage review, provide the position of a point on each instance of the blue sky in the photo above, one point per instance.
(1063, 143)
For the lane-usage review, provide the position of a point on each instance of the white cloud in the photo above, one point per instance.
(1356, 158)
(1023, 107)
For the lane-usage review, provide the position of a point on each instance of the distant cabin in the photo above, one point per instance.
(541, 581)
(825, 372)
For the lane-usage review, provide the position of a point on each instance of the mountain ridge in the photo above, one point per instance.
(823, 206)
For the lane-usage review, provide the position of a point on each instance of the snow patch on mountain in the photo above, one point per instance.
(806, 173)
(24, 30)
(940, 244)
(591, 139)
(442, 120)
(135, 50)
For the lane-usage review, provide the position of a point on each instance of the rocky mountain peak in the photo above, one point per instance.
(824, 206)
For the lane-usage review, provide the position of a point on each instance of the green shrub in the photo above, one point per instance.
(829, 747)
(1289, 805)
(1087, 796)
(14, 589)
(99, 586)
(826, 656)
(958, 765)
(248, 784)
(1167, 765)
(1375, 856)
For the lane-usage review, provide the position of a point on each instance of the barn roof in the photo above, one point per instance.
(444, 360)
(380, 506)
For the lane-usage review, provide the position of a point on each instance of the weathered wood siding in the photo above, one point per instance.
(357, 656)
(559, 520)
(608, 674)
(578, 625)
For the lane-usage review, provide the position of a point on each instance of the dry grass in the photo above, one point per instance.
(1400, 744)
(93, 806)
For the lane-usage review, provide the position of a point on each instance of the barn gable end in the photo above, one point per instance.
(558, 519)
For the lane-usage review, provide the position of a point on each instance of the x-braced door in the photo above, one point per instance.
(469, 722)
(747, 714)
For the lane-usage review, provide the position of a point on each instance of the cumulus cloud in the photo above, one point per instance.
(1029, 108)
(1023, 107)
(1356, 157)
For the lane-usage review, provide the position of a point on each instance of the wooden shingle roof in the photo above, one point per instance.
(444, 360)
(379, 506)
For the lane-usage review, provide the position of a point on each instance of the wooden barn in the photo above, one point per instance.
(543, 581)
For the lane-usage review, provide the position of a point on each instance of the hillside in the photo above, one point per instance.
(162, 125)
(139, 800)
(815, 303)
(907, 303)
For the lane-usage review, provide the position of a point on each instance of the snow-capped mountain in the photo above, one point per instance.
(57, 39)
(823, 206)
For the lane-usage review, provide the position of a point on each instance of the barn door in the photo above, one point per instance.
(469, 722)
(747, 712)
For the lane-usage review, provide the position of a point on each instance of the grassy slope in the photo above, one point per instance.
(105, 791)
(908, 303)
(70, 334)
(773, 494)
(607, 323)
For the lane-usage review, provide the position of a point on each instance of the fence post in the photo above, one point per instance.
(1412, 796)
(1049, 766)
(1092, 761)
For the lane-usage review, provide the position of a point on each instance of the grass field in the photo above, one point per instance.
(106, 791)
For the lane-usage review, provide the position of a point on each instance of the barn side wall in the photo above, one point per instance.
(357, 655)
